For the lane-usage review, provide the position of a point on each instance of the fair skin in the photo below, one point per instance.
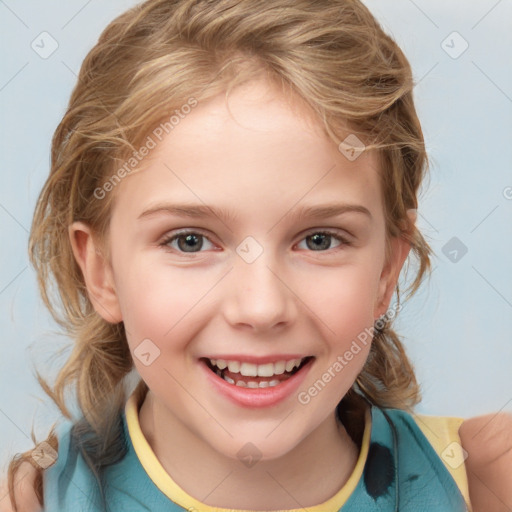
(257, 161)
(263, 161)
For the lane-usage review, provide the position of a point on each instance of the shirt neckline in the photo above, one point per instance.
(175, 493)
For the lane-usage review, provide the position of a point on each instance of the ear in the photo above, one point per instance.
(97, 272)
(399, 249)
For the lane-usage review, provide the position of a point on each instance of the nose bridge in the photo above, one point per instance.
(257, 294)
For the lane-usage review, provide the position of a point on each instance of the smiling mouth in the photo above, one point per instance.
(254, 376)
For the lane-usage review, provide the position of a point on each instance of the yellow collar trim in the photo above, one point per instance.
(169, 488)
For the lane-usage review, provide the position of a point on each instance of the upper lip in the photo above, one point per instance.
(245, 358)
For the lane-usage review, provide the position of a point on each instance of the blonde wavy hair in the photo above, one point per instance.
(150, 61)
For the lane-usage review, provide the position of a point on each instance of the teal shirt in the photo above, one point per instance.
(402, 473)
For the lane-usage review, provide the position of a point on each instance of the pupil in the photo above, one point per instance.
(319, 241)
(191, 241)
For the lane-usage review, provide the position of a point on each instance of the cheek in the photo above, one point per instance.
(161, 309)
(343, 300)
(156, 301)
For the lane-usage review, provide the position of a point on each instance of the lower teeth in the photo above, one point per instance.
(251, 383)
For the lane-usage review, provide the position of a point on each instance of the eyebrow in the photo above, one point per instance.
(198, 211)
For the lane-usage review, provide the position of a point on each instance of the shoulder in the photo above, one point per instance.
(442, 433)
(487, 441)
(24, 492)
(489, 437)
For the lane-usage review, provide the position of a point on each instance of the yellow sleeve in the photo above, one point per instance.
(443, 434)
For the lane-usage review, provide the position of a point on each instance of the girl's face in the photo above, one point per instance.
(252, 241)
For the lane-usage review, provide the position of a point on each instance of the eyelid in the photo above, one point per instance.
(341, 234)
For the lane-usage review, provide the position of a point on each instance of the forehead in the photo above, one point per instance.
(257, 148)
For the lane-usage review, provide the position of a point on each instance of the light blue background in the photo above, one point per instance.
(457, 328)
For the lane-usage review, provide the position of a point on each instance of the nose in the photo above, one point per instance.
(258, 295)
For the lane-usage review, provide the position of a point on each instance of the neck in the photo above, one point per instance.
(310, 474)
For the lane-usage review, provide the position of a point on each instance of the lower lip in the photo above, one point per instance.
(257, 397)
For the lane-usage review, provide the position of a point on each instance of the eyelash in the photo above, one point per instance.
(168, 239)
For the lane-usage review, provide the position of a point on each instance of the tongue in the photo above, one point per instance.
(238, 376)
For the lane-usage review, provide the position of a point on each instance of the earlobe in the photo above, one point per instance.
(96, 271)
(399, 250)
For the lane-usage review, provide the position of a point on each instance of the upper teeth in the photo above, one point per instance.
(257, 370)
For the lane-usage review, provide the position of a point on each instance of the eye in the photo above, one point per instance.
(187, 241)
(193, 241)
(322, 241)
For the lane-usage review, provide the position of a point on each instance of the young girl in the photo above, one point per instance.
(231, 201)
